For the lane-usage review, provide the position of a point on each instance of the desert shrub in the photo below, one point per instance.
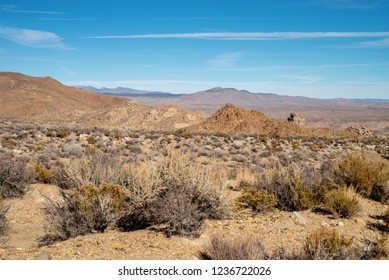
(91, 140)
(41, 174)
(327, 244)
(342, 202)
(364, 171)
(3, 220)
(143, 182)
(321, 244)
(93, 169)
(9, 143)
(258, 200)
(73, 149)
(85, 210)
(374, 250)
(174, 193)
(221, 248)
(61, 134)
(179, 212)
(380, 193)
(293, 189)
(14, 176)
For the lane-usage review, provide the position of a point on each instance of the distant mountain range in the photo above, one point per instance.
(334, 113)
(129, 92)
(45, 100)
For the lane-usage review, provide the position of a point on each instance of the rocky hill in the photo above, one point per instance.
(22, 96)
(131, 115)
(232, 119)
(45, 100)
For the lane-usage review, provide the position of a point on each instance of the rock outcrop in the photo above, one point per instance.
(296, 118)
(360, 130)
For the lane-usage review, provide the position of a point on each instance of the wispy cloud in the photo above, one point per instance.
(249, 35)
(349, 4)
(304, 79)
(65, 19)
(15, 9)
(295, 67)
(226, 59)
(32, 38)
(383, 43)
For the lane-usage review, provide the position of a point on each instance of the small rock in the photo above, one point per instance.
(360, 222)
(298, 218)
(340, 224)
(43, 256)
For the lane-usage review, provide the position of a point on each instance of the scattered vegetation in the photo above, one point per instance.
(86, 209)
(14, 176)
(258, 200)
(365, 171)
(321, 244)
(291, 186)
(221, 248)
(342, 202)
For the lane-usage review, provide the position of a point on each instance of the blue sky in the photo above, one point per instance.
(315, 48)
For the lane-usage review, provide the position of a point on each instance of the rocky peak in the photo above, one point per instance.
(296, 118)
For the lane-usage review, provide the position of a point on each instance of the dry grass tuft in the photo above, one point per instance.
(364, 171)
(221, 248)
(342, 202)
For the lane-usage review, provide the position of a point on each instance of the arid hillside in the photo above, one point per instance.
(45, 100)
(25, 96)
(232, 119)
(131, 115)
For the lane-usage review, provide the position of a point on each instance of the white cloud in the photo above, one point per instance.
(226, 59)
(32, 38)
(383, 43)
(14, 9)
(249, 35)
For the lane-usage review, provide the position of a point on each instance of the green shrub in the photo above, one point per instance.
(364, 171)
(258, 200)
(343, 203)
(14, 176)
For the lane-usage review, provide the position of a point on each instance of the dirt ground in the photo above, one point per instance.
(27, 224)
